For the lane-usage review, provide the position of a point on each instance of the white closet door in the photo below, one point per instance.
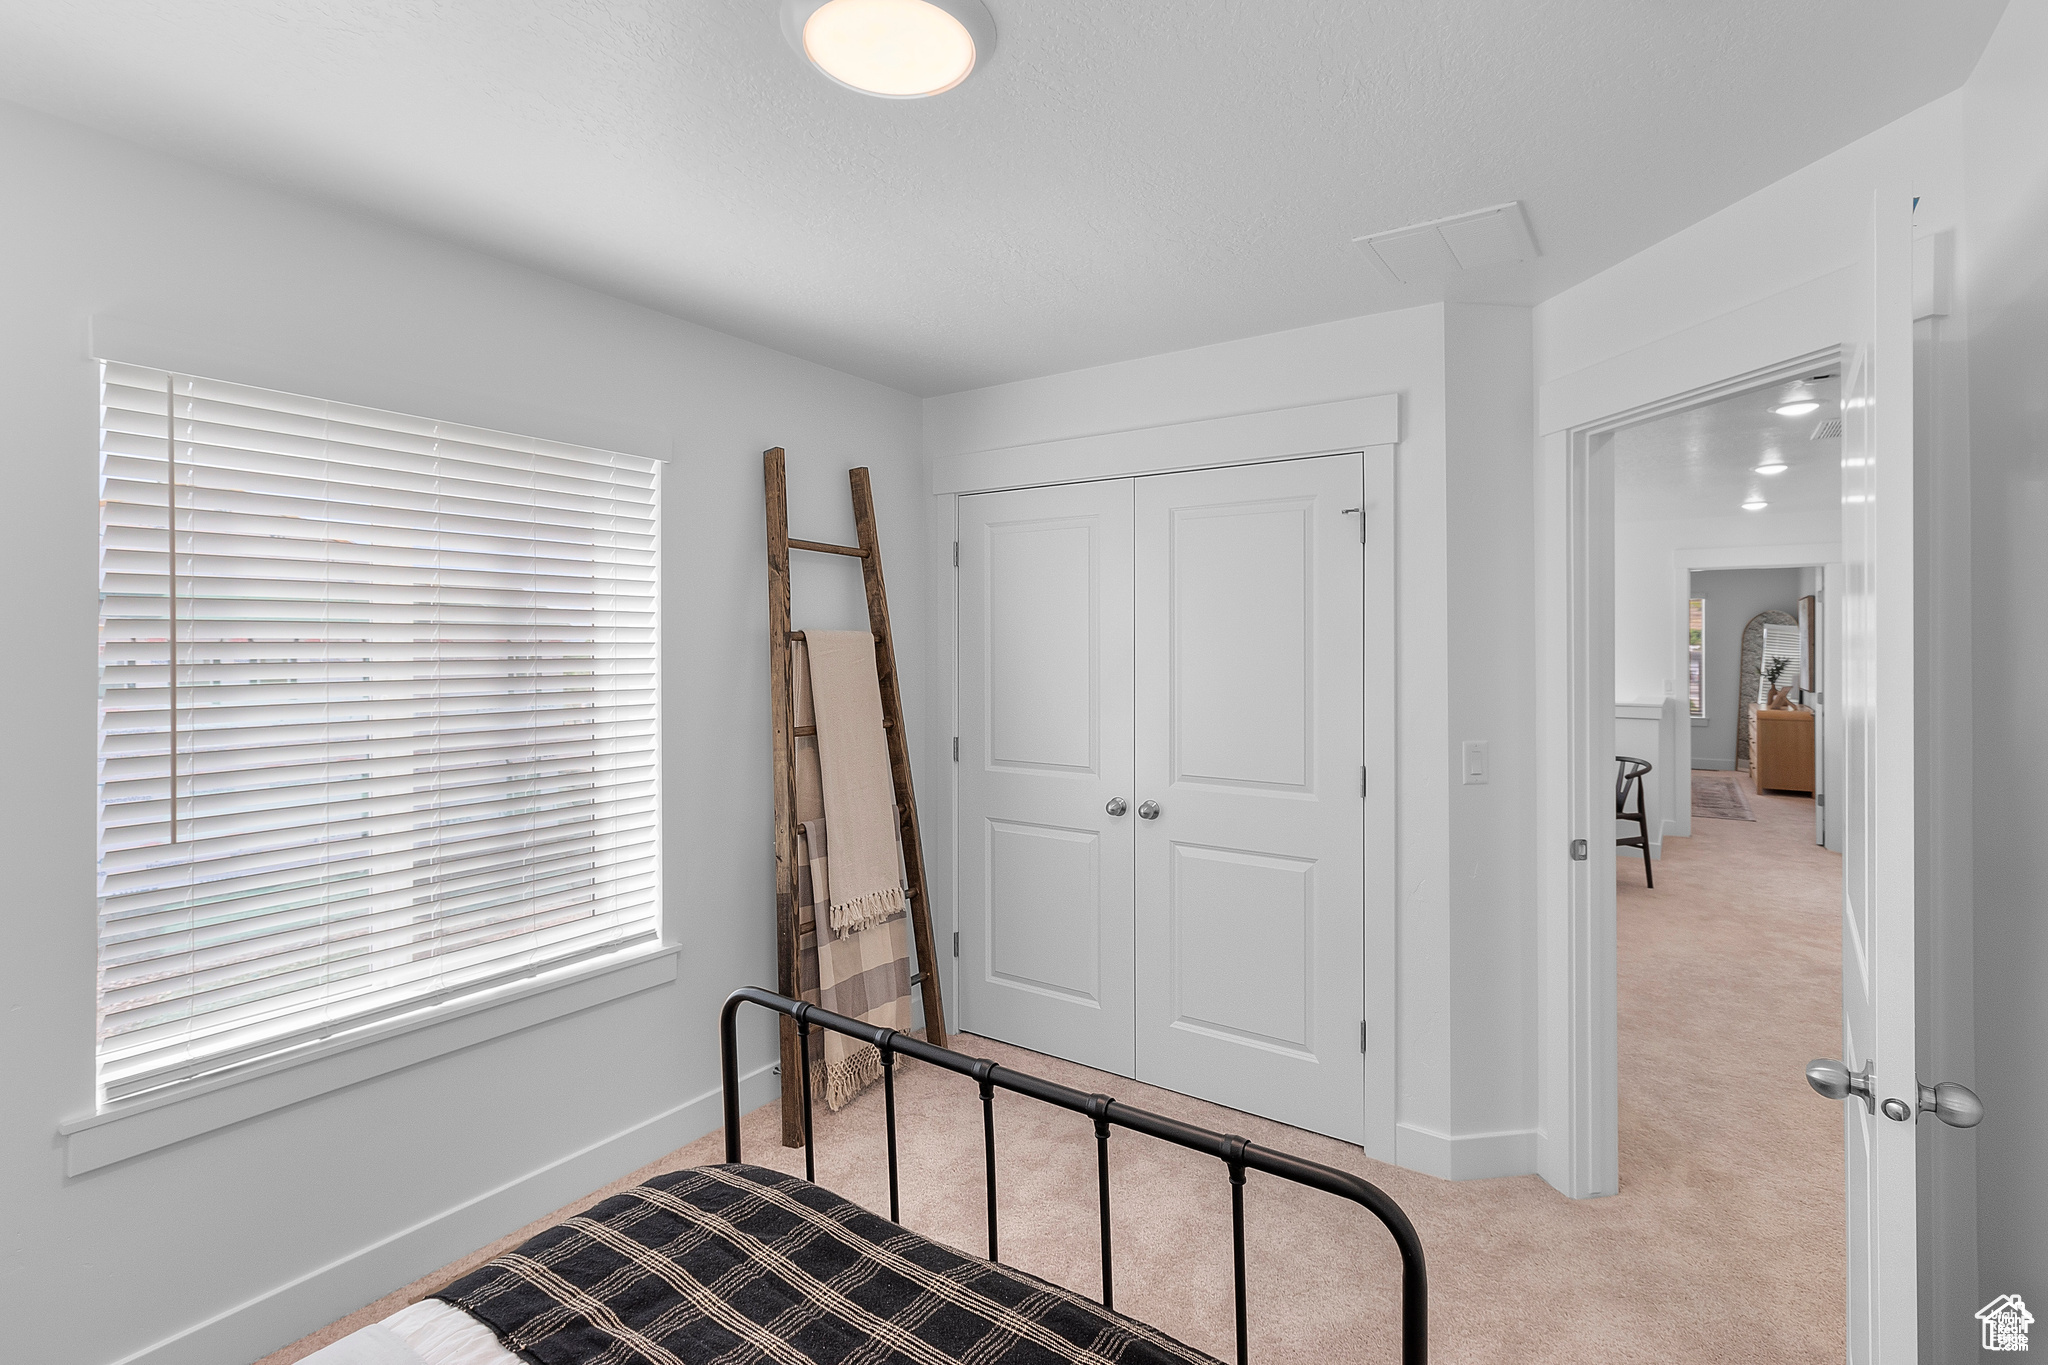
(1045, 870)
(1250, 739)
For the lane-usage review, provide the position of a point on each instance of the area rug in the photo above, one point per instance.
(1718, 796)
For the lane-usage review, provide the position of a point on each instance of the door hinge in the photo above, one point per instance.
(1361, 781)
(1361, 1035)
(1578, 850)
(1361, 521)
(956, 943)
(956, 554)
(1820, 800)
(956, 748)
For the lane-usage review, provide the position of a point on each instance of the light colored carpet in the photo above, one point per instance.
(1719, 796)
(1725, 1244)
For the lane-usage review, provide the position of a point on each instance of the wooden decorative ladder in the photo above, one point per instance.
(782, 720)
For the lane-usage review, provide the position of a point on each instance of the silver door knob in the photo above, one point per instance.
(1836, 1081)
(1149, 811)
(1116, 806)
(1955, 1105)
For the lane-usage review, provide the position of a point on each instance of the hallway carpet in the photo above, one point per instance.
(1725, 1243)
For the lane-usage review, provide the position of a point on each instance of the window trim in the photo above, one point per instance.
(152, 1121)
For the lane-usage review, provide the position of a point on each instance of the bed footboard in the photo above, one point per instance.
(1237, 1155)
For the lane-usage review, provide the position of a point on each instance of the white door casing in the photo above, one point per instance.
(1250, 740)
(1044, 870)
(1876, 619)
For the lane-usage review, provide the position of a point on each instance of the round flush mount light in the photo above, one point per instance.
(1755, 505)
(896, 49)
(1798, 407)
(1772, 465)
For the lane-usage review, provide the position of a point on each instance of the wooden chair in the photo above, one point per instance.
(1628, 775)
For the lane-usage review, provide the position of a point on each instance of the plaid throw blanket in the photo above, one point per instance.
(735, 1264)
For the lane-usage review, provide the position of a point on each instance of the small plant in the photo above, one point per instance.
(1773, 670)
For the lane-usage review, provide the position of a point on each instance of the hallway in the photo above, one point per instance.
(1724, 1244)
(1730, 982)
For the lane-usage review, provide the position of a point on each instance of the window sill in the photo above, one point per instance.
(151, 1122)
(1700, 722)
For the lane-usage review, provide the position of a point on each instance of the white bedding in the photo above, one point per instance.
(428, 1333)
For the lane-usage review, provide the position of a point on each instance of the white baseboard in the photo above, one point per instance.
(1466, 1156)
(282, 1315)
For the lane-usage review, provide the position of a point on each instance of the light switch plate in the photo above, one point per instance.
(1476, 765)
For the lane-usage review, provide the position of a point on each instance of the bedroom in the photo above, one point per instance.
(658, 230)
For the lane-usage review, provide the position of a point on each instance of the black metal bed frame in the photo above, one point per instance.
(1237, 1154)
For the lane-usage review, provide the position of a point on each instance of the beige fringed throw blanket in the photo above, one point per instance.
(860, 795)
(863, 973)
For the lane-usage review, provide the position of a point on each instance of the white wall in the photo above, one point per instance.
(1733, 597)
(1488, 1074)
(271, 1228)
(1466, 1096)
(2002, 532)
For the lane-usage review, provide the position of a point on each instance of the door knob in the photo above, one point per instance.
(1149, 811)
(1836, 1081)
(1955, 1105)
(1116, 806)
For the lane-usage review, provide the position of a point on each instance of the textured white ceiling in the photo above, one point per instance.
(1124, 177)
(1702, 462)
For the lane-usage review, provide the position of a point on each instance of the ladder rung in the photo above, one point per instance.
(800, 731)
(798, 635)
(824, 549)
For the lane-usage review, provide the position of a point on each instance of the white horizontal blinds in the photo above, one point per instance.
(1779, 642)
(377, 723)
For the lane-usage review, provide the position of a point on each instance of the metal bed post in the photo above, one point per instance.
(803, 1033)
(889, 1108)
(983, 1069)
(1234, 1158)
(1098, 1109)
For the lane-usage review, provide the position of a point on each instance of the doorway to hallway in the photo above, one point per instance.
(1726, 519)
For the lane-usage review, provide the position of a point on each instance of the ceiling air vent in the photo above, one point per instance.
(1830, 430)
(1450, 246)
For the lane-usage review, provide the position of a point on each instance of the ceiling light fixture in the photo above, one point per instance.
(1798, 407)
(897, 49)
(1755, 505)
(1772, 465)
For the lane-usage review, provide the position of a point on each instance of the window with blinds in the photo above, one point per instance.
(378, 718)
(1696, 655)
(1779, 642)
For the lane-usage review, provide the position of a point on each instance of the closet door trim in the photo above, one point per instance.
(1339, 428)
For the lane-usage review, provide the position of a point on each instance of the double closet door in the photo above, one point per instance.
(1161, 832)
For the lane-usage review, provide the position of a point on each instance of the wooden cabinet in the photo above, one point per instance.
(1781, 750)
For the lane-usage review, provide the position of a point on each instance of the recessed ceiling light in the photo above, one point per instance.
(1772, 466)
(898, 49)
(1755, 505)
(1798, 407)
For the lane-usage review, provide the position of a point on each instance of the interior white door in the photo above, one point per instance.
(1251, 752)
(1045, 874)
(1875, 609)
